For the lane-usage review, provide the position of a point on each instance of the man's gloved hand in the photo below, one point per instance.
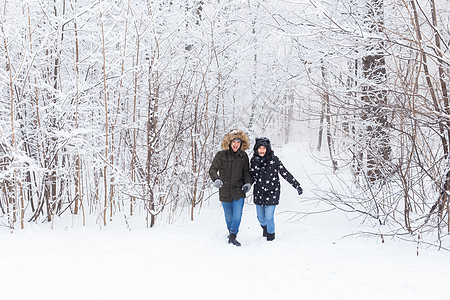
(246, 187)
(218, 183)
(300, 190)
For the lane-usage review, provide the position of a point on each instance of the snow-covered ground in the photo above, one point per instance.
(309, 259)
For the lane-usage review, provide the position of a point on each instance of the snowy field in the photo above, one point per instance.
(309, 259)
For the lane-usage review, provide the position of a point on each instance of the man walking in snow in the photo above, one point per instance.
(230, 173)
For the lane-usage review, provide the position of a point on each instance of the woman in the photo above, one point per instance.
(264, 168)
(230, 173)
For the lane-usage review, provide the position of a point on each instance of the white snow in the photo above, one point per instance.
(309, 259)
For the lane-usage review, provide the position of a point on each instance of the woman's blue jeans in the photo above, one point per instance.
(233, 214)
(265, 216)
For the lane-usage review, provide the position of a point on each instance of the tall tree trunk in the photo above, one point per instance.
(105, 93)
(11, 185)
(152, 108)
(78, 200)
(374, 96)
(327, 111)
(440, 104)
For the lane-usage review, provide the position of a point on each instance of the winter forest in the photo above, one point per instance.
(115, 108)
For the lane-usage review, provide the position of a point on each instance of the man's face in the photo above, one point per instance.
(235, 145)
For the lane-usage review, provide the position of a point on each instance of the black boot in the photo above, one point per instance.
(232, 239)
(264, 231)
(270, 236)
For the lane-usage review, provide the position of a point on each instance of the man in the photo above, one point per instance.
(230, 173)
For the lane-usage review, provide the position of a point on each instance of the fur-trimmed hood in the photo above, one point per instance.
(235, 133)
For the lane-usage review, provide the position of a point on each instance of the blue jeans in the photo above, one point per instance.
(265, 216)
(233, 214)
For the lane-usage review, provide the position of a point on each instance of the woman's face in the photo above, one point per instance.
(262, 150)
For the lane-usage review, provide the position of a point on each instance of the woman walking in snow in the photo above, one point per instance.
(231, 175)
(264, 169)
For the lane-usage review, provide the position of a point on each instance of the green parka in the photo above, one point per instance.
(232, 167)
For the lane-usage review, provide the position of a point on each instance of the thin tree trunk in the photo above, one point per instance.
(326, 101)
(133, 153)
(289, 100)
(105, 92)
(443, 79)
(13, 199)
(77, 100)
(439, 107)
(152, 108)
(322, 117)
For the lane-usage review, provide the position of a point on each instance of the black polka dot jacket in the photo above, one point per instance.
(265, 174)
